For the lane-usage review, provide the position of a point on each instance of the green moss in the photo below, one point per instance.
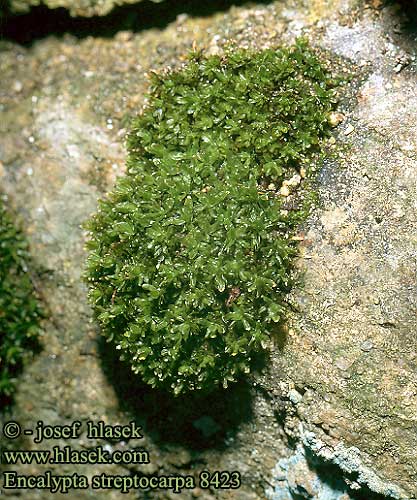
(19, 309)
(191, 254)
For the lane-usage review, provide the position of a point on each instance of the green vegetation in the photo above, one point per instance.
(19, 309)
(190, 255)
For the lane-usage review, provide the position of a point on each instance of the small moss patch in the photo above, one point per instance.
(19, 308)
(191, 253)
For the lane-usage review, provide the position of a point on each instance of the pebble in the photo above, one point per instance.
(367, 346)
(294, 181)
(284, 191)
(349, 129)
(124, 36)
(181, 18)
(294, 396)
(336, 119)
(343, 364)
(17, 86)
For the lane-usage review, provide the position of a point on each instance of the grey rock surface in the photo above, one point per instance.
(82, 8)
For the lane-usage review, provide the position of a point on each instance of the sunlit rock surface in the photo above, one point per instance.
(83, 8)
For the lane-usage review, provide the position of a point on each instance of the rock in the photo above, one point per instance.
(367, 346)
(284, 190)
(294, 181)
(336, 118)
(83, 8)
(349, 129)
(207, 425)
(294, 477)
(294, 396)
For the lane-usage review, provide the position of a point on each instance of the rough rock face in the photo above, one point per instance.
(338, 399)
(86, 8)
(357, 311)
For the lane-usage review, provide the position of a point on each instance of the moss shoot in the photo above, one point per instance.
(191, 253)
(19, 309)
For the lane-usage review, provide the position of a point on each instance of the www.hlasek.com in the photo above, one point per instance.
(68, 455)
